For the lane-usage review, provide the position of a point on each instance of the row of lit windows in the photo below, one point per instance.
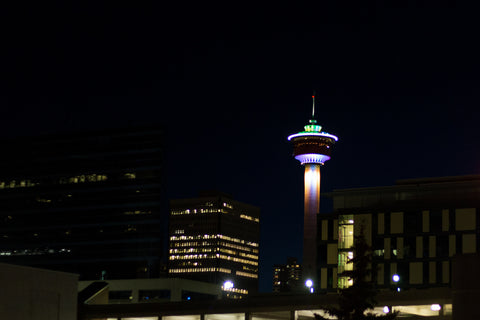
(247, 255)
(253, 263)
(212, 256)
(235, 290)
(244, 216)
(137, 212)
(128, 229)
(228, 251)
(208, 243)
(16, 184)
(205, 236)
(223, 250)
(246, 274)
(83, 178)
(32, 252)
(130, 175)
(249, 243)
(191, 256)
(65, 180)
(188, 263)
(213, 236)
(188, 270)
(194, 244)
(191, 250)
(202, 250)
(251, 269)
(235, 246)
(75, 179)
(194, 211)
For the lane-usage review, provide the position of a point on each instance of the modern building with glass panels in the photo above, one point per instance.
(215, 239)
(415, 228)
(86, 203)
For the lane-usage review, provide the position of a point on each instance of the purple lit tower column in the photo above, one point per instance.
(312, 148)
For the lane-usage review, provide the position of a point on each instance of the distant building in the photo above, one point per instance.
(215, 239)
(86, 203)
(415, 228)
(287, 277)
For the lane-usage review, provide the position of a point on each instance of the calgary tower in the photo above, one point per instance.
(312, 148)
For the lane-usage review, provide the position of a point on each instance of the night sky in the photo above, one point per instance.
(398, 85)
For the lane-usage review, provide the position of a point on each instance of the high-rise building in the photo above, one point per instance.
(312, 148)
(214, 238)
(415, 229)
(288, 277)
(86, 203)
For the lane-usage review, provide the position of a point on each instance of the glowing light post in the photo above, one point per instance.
(312, 148)
(309, 285)
(396, 279)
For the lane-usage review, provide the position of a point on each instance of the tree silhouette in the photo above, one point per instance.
(355, 301)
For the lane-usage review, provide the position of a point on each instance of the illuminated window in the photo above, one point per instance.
(130, 175)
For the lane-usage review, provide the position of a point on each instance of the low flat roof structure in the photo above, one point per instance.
(411, 304)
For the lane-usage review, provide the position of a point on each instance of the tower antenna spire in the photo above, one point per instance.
(313, 108)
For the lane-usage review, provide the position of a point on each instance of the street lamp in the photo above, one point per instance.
(227, 285)
(396, 279)
(309, 284)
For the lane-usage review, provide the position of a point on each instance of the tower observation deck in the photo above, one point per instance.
(312, 148)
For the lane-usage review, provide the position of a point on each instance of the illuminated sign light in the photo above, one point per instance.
(312, 134)
(312, 158)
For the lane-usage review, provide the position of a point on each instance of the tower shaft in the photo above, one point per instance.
(312, 207)
(312, 148)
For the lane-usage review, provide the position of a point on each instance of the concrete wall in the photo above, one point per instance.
(37, 294)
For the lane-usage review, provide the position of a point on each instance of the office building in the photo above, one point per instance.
(86, 203)
(312, 148)
(215, 239)
(415, 228)
(288, 277)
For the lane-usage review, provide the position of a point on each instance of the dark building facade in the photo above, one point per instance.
(415, 229)
(288, 277)
(87, 203)
(215, 239)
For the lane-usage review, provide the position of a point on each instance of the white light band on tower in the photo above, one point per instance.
(309, 134)
(312, 158)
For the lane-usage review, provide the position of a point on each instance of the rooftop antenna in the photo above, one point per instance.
(313, 109)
